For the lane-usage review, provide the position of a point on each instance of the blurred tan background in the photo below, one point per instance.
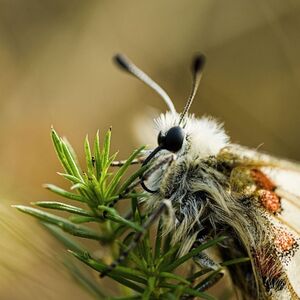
(55, 68)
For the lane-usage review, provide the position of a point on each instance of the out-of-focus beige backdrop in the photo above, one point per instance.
(55, 68)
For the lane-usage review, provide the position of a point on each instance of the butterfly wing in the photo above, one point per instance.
(282, 182)
(246, 156)
(285, 175)
(288, 189)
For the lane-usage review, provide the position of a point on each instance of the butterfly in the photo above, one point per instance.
(211, 186)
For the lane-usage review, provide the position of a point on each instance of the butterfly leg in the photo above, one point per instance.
(139, 160)
(205, 262)
(137, 237)
(168, 160)
(120, 163)
(205, 284)
(210, 281)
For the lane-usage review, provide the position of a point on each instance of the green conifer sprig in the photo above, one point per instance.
(150, 271)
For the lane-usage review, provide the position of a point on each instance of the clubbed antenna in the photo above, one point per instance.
(197, 70)
(124, 63)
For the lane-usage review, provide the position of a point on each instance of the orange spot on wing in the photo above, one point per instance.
(262, 181)
(270, 201)
(284, 241)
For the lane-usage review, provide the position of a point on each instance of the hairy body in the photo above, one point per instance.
(214, 192)
(213, 187)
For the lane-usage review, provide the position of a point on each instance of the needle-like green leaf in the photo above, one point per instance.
(168, 275)
(59, 191)
(75, 170)
(192, 253)
(189, 291)
(72, 178)
(117, 218)
(106, 149)
(132, 178)
(116, 179)
(64, 207)
(59, 151)
(64, 238)
(88, 156)
(97, 156)
(115, 274)
(66, 225)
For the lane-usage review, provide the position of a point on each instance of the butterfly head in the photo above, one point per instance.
(195, 138)
(180, 133)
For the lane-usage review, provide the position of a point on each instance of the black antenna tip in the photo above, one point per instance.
(198, 63)
(122, 61)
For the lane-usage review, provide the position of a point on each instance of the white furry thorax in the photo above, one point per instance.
(204, 136)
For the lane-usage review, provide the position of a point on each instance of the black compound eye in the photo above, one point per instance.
(161, 139)
(173, 140)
